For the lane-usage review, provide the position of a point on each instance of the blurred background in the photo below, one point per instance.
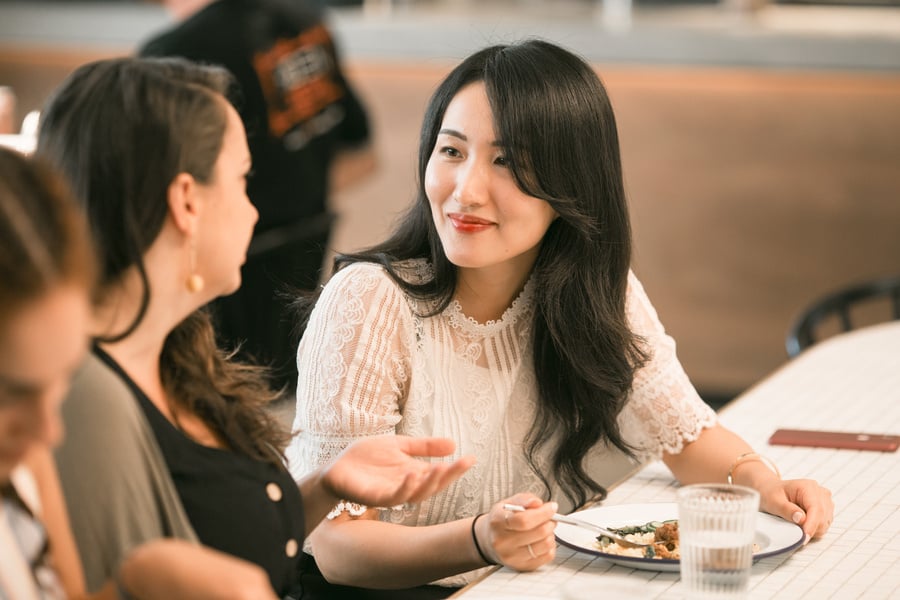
(760, 139)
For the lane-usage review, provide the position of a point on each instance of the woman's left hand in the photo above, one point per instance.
(802, 501)
(710, 457)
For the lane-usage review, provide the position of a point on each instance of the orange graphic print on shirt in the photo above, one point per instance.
(296, 78)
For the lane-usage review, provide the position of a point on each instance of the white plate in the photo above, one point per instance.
(773, 535)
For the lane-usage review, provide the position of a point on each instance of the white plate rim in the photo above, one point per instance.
(780, 536)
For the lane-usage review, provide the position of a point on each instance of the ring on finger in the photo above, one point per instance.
(531, 551)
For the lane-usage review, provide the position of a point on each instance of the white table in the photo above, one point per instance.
(849, 382)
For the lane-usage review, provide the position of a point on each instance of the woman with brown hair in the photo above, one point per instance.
(159, 159)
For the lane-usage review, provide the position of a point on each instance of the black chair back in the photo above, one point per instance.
(841, 306)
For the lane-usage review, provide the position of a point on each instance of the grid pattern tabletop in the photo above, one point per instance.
(847, 383)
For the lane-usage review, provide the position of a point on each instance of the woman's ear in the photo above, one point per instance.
(184, 203)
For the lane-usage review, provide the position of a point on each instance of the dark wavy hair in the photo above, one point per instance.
(559, 132)
(121, 130)
(45, 239)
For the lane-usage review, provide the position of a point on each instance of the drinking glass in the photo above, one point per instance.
(716, 525)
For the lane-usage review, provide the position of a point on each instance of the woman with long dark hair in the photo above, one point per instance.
(159, 159)
(503, 313)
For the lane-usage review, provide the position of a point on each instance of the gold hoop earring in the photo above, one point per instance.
(194, 281)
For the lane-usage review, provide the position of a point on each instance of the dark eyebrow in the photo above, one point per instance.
(16, 386)
(457, 134)
(454, 133)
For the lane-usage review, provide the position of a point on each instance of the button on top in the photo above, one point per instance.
(273, 491)
(291, 548)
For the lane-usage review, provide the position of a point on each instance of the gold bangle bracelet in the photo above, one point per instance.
(749, 457)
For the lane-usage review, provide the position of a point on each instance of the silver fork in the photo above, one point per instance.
(625, 543)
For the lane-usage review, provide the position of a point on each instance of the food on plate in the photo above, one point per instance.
(663, 535)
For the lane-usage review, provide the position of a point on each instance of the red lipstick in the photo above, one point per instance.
(468, 223)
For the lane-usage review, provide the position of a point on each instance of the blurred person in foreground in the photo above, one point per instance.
(46, 276)
(307, 130)
(158, 157)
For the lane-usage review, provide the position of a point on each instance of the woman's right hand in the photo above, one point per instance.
(386, 470)
(519, 540)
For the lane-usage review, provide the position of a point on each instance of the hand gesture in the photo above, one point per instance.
(384, 470)
(522, 540)
(802, 501)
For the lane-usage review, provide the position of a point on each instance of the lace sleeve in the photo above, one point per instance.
(353, 364)
(664, 411)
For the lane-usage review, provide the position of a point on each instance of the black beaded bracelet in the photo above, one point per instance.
(475, 539)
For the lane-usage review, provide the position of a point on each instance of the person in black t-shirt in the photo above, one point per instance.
(299, 113)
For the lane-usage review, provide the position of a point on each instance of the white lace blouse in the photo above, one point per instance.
(369, 365)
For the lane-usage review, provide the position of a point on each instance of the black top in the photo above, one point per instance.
(297, 107)
(236, 504)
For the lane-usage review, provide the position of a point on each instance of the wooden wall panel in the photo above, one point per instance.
(752, 192)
